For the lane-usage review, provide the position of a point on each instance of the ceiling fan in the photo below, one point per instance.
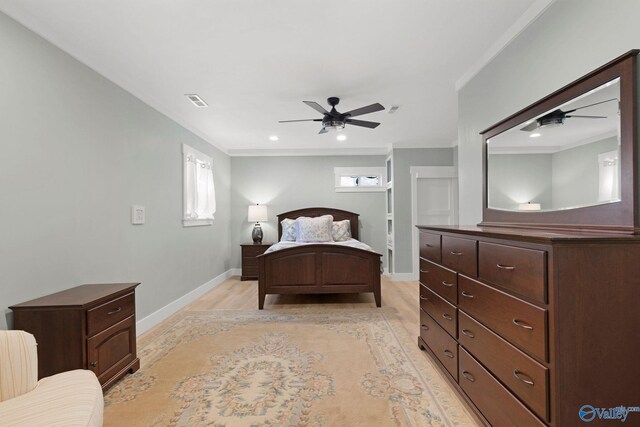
(557, 117)
(333, 120)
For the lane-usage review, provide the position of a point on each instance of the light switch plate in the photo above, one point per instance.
(137, 214)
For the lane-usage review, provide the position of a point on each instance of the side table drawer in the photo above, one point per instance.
(110, 313)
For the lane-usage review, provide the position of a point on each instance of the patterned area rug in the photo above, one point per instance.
(309, 367)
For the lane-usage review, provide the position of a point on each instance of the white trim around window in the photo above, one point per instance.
(199, 195)
(359, 179)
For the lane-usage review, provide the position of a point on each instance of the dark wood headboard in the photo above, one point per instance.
(338, 215)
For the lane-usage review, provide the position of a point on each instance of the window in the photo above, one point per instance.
(356, 179)
(199, 196)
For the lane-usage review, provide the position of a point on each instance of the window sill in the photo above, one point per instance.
(359, 189)
(196, 222)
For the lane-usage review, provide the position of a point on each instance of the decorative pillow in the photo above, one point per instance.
(341, 230)
(288, 230)
(314, 229)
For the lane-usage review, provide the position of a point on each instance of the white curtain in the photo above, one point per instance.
(199, 190)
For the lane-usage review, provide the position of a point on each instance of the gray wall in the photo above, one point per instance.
(520, 178)
(288, 183)
(403, 159)
(570, 39)
(77, 151)
(576, 173)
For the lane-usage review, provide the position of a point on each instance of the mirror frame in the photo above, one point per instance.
(619, 216)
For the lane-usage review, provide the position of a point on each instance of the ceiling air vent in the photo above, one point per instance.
(196, 100)
(393, 109)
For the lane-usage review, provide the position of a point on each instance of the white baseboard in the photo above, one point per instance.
(143, 325)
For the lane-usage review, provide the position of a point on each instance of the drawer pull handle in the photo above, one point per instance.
(468, 376)
(448, 285)
(522, 377)
(505, 267)
(466, 295)
(117, 310)
(468, 333)
(447, 316)
(449, 354)
(423, 298)
(456, 253)
(93, 364)
(424, 271)
(424, 327)
(522, 324)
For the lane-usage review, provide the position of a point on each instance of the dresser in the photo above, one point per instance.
(86, 327)
(531, 325)
(249, 262)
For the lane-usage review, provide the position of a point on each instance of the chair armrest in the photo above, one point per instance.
(18, 364)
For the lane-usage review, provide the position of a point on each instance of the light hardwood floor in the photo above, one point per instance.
(238, 295)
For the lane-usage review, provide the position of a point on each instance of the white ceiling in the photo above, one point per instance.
(254, 62)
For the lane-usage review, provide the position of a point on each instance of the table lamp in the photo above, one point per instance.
(257, 214)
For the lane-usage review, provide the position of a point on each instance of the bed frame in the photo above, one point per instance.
(319, 268)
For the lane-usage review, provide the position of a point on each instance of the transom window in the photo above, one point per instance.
(355, 179)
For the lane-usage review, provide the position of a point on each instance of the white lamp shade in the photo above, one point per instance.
(529, 206)
(257, 213)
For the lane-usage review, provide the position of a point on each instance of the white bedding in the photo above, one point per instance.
(352, 243)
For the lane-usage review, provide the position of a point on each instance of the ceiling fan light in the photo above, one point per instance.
(341, 137)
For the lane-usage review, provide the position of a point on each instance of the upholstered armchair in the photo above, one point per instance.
(72, 398)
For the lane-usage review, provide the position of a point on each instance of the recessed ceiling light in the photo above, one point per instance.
(535, 135)
(341, 137)
(196, 100)
(273, 138)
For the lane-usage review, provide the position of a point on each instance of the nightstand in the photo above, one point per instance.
(249, 262)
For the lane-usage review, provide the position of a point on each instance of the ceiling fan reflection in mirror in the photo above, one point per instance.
(334, 120)
(557, 117)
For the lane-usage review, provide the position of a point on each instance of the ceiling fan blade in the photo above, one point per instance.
(323, 130)
(590, 105)
(302, 120)
(531, 126)
(365, 110)
(363, 123)
(316, 107)
(588, 117)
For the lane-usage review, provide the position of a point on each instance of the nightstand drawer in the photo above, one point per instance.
(253, 250)
(110, 313)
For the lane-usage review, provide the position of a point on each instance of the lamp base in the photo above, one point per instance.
(256, 234)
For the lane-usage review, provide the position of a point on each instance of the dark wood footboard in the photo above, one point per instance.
(319, 269)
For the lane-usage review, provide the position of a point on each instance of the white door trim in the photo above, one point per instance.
(418, 172)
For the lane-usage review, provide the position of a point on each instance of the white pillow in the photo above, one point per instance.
(341, 230)
(314, 229)
(288, 230)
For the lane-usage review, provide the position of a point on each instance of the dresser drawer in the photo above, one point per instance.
(495, 402)
(524, 271)
(430, 246)
(110, 313)
(525, 377)
(441, 280)
(460, 255)
(521, 323)
(443, 346)
(443, 312)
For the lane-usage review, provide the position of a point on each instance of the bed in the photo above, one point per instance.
(319, 268)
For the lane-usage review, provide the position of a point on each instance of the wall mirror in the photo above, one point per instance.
(569, 159)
